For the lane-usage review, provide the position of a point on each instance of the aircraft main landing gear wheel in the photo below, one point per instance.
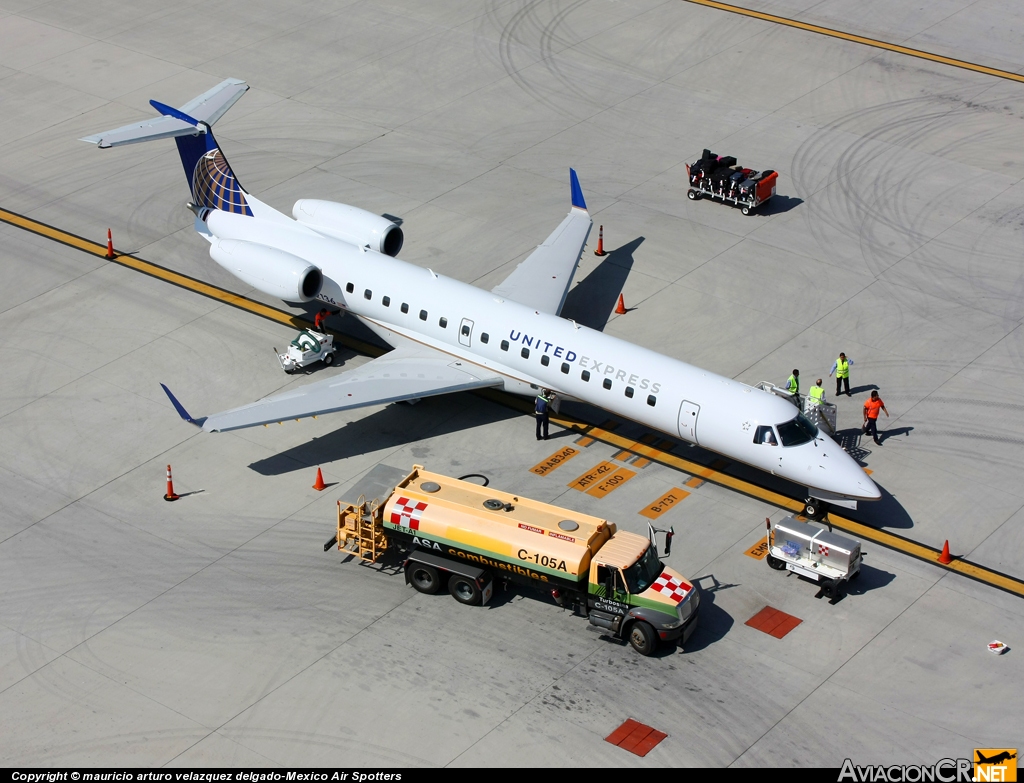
(815, 509)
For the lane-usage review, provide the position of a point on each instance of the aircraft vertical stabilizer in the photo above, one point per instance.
(210, 179)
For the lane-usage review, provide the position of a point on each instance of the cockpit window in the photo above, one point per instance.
(643, 572)
(765, 435)
(797, 431)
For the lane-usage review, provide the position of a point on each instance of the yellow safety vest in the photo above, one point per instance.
(793, 385)
(817, 395)
(842, 369)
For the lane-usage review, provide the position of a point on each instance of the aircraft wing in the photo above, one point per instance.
(408, 372)
(542, 281)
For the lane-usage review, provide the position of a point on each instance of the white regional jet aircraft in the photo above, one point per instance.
(450, 336)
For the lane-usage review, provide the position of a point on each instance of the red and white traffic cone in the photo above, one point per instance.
(110, 250)
(945, 558)
(620, 308)
(319, 485)
(171, 495)
(600, 242)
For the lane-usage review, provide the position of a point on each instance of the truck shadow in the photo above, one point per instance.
(714, 622)
(591, 301)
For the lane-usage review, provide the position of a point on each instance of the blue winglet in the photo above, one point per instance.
(577, 191)
(180, 408)
(170, 111)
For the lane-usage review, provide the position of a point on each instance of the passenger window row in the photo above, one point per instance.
(545, 359)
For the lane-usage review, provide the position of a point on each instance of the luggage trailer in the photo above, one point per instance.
(745, 188)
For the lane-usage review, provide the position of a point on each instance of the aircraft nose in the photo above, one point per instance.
(858, 484)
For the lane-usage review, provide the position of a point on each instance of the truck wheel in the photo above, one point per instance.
(746, 210)
(464, 590)
(775, 564)
(328, 360)
(642, 638)
(693, 195)
(424, 578)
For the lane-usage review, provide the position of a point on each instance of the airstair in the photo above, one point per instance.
(823, 415)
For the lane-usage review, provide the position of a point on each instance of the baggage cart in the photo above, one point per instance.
(804, 549)
(715, 177)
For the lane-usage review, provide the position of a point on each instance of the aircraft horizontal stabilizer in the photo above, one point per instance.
(206, 108)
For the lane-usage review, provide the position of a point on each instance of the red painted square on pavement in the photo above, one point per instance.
(773, 622)
(635, 737)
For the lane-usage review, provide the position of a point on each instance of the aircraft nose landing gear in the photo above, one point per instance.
(815, 509)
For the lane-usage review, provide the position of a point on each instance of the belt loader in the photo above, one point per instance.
(474, 538)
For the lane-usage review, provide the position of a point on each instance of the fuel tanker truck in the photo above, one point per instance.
(474, 539)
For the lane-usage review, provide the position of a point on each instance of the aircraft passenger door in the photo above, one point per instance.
(688, 421)
(466, 332)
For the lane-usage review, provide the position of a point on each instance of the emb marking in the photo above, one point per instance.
(758, 551)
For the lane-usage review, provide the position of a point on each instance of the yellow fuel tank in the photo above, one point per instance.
(494, 529)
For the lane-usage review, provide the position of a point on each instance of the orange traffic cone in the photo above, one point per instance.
(319, 485)
(110, 245)
(620, 308)
(945, 558)
(171, 495)
(600, 243)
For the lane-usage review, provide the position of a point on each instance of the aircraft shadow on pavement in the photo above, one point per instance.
(393, 426)
(591, 301)
(883, 513)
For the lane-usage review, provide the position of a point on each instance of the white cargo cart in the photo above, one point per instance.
(804, 549)
(307, 348)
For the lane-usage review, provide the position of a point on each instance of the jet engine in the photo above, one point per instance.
(350, 224)
(267, 269)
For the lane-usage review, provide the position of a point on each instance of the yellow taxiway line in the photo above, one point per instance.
(176, 278)
(651, 451)
(860, 39)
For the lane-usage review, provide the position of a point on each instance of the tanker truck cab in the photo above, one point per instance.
(633, 595)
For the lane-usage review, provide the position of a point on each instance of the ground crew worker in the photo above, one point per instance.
(542, 410)
(817, 393)
(318, 322)
(841, 368)
(871, 408)
(793, 386)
